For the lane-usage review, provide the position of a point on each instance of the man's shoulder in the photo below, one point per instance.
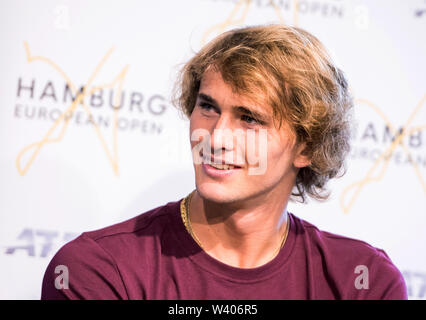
(345, 259)
(98, 257)
(119, 240)
(146, 222)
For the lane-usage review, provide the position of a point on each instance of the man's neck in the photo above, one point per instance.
(245, 236)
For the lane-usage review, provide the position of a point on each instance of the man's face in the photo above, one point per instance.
(227, 128)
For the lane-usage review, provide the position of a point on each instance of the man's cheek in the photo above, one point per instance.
(257, 151)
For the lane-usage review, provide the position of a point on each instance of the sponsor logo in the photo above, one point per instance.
(416, 284)
(381, 143)
(38, 242)
(420, 12)
(285, 12)
(107, 108)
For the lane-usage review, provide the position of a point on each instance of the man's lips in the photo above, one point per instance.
(221, 166)
(219, 163)
(223, 172)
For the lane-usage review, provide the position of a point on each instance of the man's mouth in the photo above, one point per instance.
(218, 163)
(222, 166)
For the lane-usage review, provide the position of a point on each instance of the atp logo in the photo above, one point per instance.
(420, 12)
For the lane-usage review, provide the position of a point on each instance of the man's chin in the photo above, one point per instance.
(217, 193)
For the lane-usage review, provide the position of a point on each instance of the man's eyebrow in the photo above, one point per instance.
(207, 98)
(253, 113)
(243, 109)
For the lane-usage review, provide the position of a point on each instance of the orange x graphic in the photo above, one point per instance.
(61, 124)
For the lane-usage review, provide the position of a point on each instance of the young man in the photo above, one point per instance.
(269, 123)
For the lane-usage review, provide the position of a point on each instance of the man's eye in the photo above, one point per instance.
(206, 106)
(249, 119)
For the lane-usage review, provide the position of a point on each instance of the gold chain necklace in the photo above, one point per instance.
(184, 212)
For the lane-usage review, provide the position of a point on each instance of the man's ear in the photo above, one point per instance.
(302, 158)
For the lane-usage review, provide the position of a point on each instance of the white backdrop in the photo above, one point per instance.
(123, 149)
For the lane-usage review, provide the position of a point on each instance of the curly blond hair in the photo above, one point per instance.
(290, 70)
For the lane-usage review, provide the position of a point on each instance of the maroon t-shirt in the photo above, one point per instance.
(152, 256)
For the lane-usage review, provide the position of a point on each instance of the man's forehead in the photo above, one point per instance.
(213, 88)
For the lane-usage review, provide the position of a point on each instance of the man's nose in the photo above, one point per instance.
(222, 134)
